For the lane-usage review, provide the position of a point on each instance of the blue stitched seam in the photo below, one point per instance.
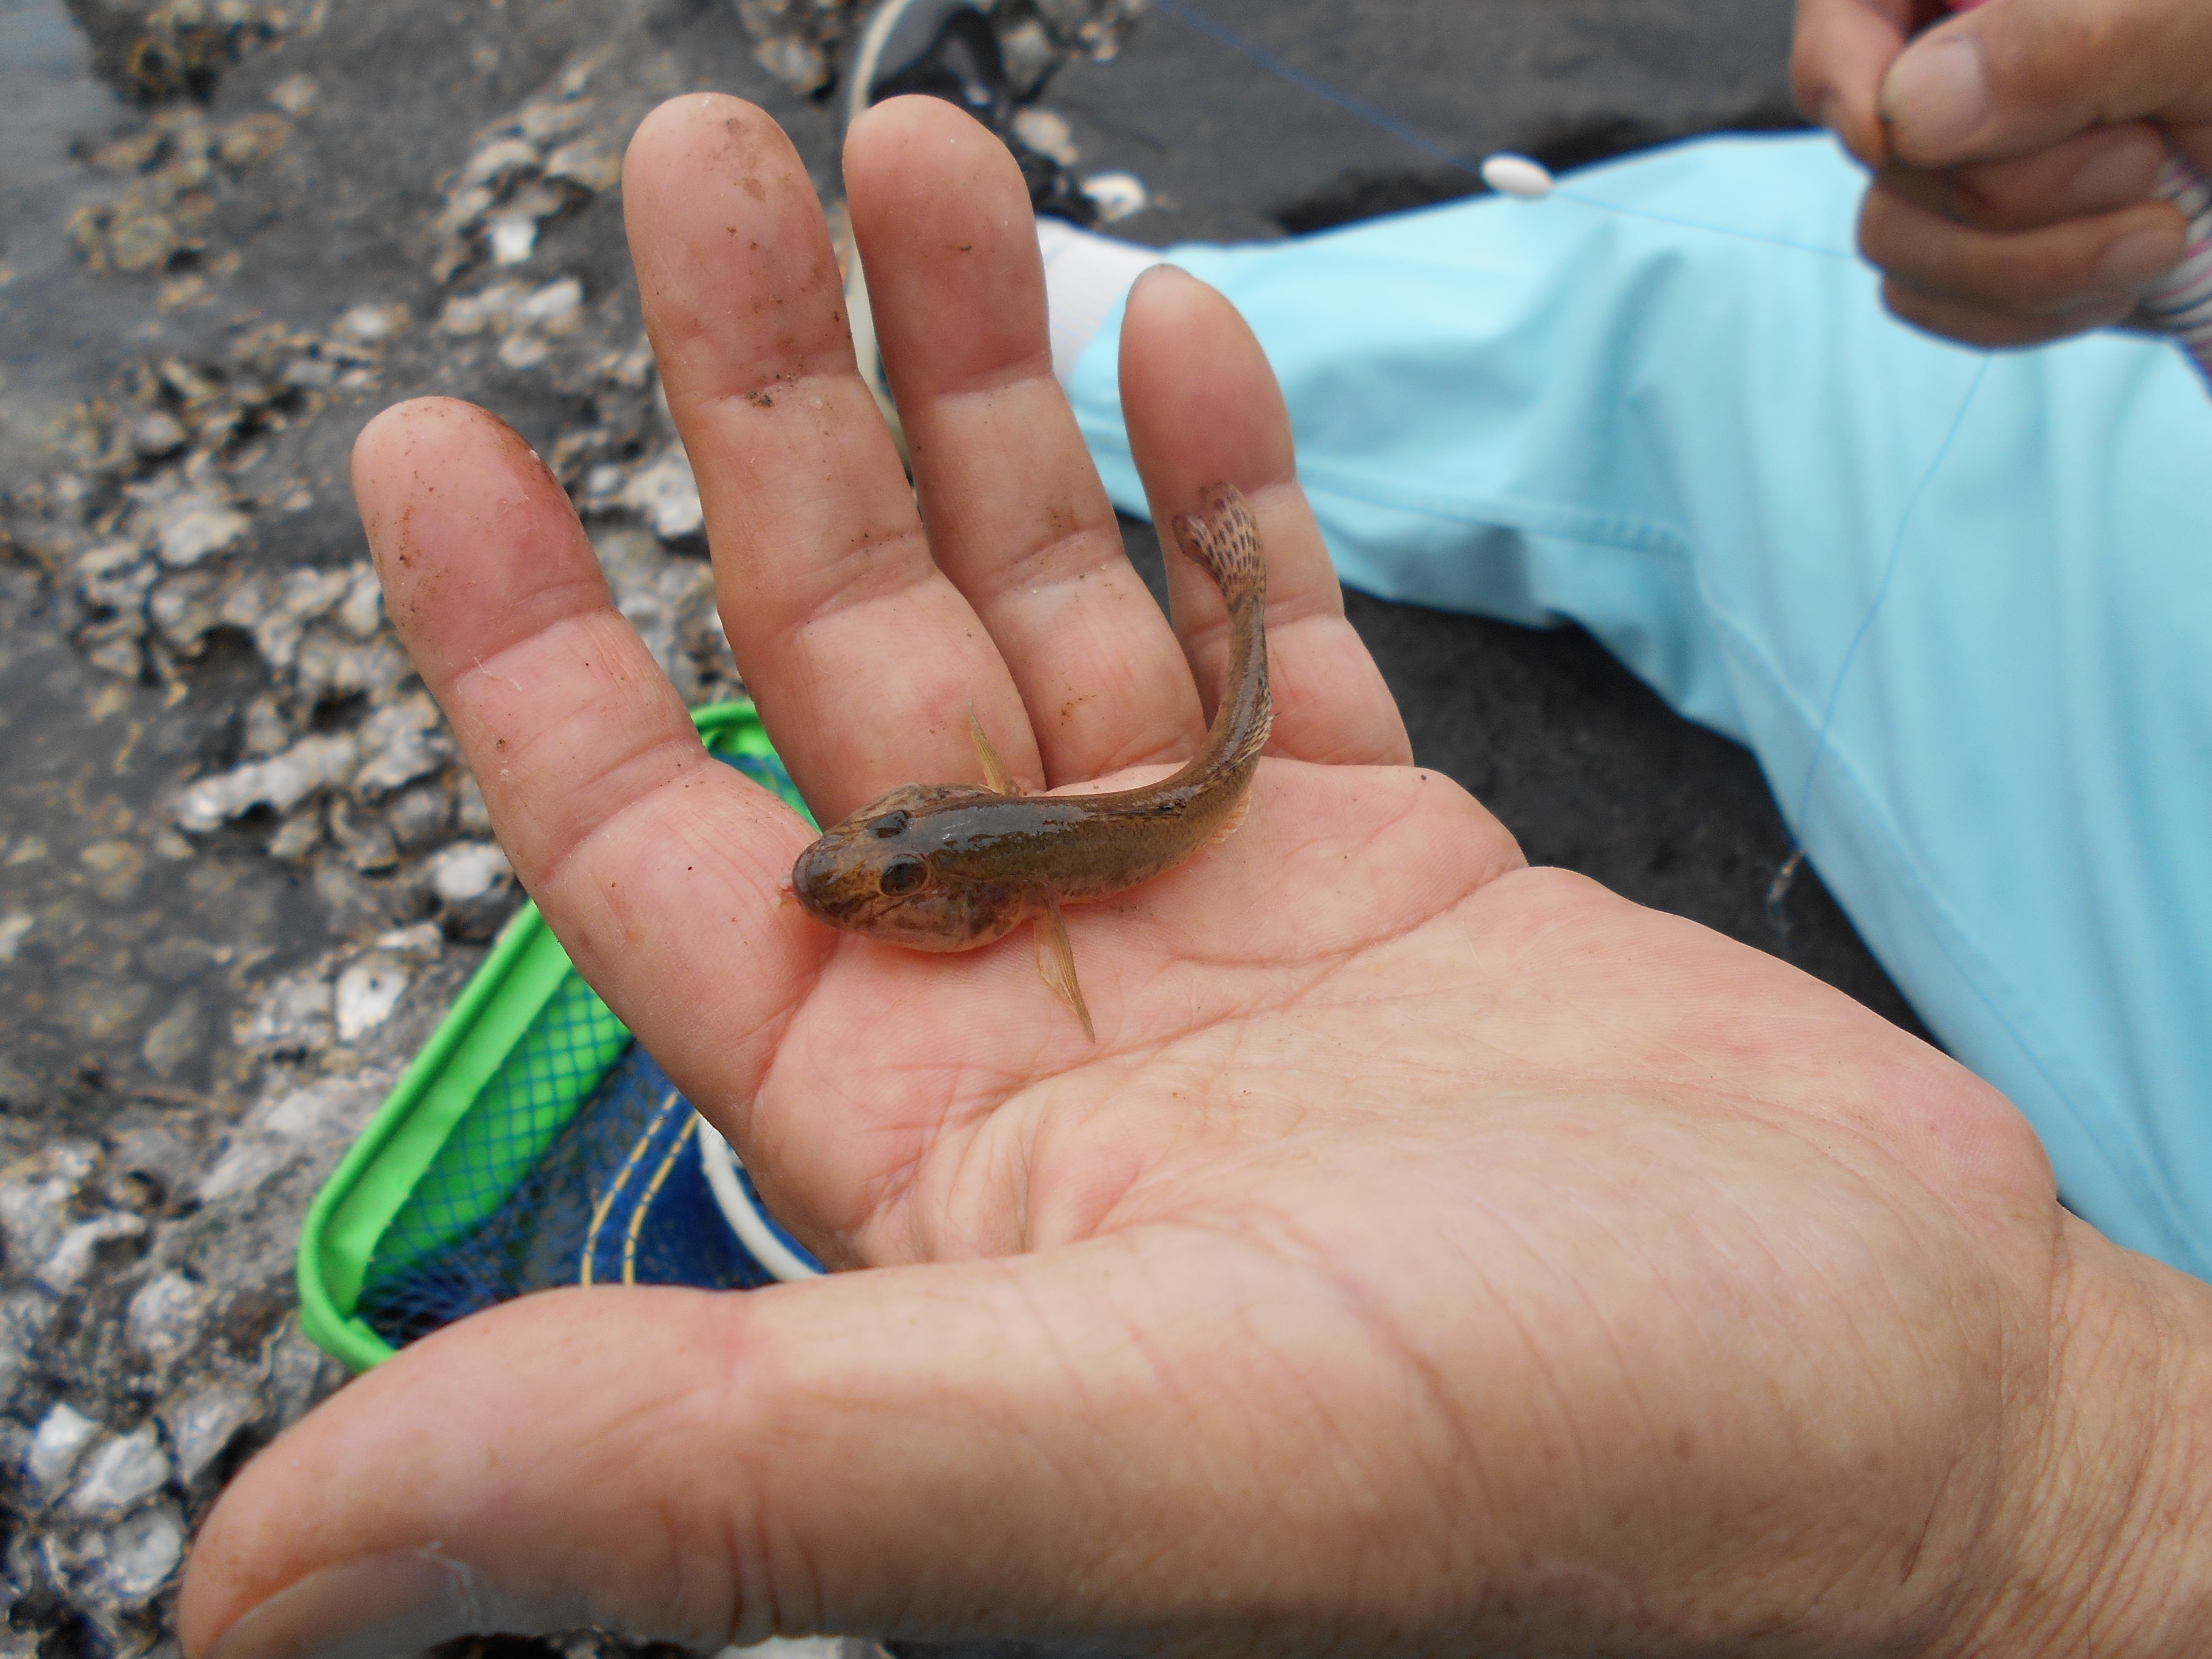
(1508, 512)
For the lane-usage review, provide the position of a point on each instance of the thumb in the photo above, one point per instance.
(2014, 76)
(1839, 51)
(936, 1450)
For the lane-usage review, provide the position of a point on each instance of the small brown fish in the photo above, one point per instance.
(939, 866)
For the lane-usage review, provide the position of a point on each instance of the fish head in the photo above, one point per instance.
(883, 874)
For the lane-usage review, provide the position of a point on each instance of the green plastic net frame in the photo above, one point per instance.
(524, 1048)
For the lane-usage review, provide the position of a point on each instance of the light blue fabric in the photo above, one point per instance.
(1667, 404)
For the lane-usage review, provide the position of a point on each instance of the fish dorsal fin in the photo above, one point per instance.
(1056, 962)
(996, 778)
(911, 798)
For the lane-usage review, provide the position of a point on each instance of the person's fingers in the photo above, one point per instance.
(2069, 267)
(2090, 174)
(1204, 408)
(1840, 51)
(656, 864)
(1017, 515)
(1994, 330)
(2009, 79)
(863, 657)
(2192, 142)
(937, 1451)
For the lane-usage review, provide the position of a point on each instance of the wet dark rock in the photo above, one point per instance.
(119, 1568)
(331, 667)
(157, 434)
(118, 869)
(400, 743)
(298, 1125)
(471, 816)
(116, 575)
(800, 41)
(298, 835)
(360, 907)
(366, 992)
(183, 608)
(293, 1016)
(269, 727)
(25, 1318)
(118, 1474)
(74, 1257)
(300, 1375)
(202, 1425)
(474, 886)
(419, 816)
(186, 514)
(154, 50)
(64, 1434)
(177, 1038)
(38, 1199)
(163, 1319)
(664, 493)
(282, 781)
(157, 1157)
(362, 837)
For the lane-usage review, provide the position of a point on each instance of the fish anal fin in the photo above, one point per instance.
(1056, 962)
(1230, 825)
(995, 775)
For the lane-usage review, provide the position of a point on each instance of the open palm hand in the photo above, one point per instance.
(1432, 1254)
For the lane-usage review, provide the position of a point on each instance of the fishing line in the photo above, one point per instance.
(1412, 136)
(2180, 305)
(1889, 571)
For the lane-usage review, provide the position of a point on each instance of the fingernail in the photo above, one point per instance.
(2138, 257)
(1935, 98)
(376, 1607)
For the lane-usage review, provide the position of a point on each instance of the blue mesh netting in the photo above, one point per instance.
(617, 1199)
(551, 1071)
(578, 1162)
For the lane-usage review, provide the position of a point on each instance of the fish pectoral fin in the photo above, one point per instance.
(1056, 962)
(995, 775)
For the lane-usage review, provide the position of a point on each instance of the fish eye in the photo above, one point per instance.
(891, 824)
(903, 875)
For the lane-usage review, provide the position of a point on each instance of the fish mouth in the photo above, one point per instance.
(836, 888)
(815, 879)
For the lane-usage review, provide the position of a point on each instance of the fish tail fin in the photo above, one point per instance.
(1223, 538)
(1055, 958)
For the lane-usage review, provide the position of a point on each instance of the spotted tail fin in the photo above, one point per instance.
(1224, 538)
